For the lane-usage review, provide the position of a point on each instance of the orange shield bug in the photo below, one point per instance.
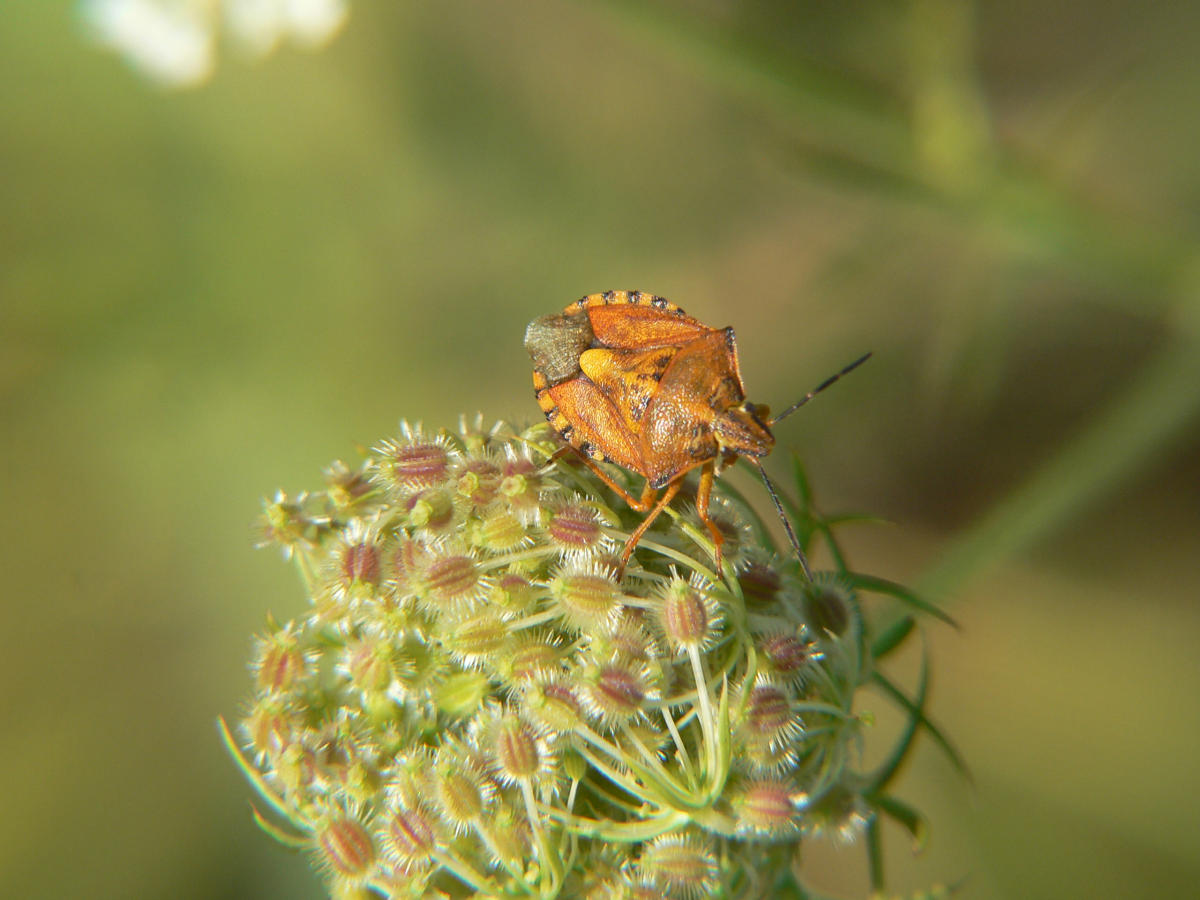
(629, 378)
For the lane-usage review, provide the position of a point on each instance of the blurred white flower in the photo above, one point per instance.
(173, 42)
(259, 25)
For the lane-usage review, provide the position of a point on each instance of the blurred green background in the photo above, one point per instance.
(209, 294)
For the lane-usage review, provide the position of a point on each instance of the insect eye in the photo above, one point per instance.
(759, 411)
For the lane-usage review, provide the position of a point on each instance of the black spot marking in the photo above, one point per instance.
(659, 302)
(608, 296)
(638, 409)
(566, 431)
(582, 302)
(586, 447)
(730, 342)
(635, 297)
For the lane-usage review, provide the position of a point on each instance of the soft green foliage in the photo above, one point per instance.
(477, 704)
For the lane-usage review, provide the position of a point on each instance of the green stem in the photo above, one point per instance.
(625, 832)
(682, 558)
(550, 861)
(500, 562)
(868, 137)
(1150, 414)
(685, 759)
(462, 871)
(484, 835)
(707, 726)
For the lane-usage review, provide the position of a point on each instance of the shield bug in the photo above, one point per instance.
(629, 378)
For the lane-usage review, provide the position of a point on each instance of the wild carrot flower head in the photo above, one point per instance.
(476, 703)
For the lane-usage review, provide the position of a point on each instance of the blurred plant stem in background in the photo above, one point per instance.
(1145, 417)
(931, 148)
(936, 149)
(949, 116)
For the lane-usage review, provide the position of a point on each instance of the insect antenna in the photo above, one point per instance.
(787, 525)
(820, 387)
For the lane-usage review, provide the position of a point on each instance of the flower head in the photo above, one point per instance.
(476, 695)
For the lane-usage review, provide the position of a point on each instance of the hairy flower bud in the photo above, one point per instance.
(410, 837)
(617, 690)
(689, 616)
(478, 637)
(575, 528)
(280, 663)
(768, 807)
(462, 792)
(412, 461)
(682, 866)
(451, 583)
(479, 482)
(788, 655)
(769, 727)
(368, 663)
(588, 596)
(345, 847)
(432, 510)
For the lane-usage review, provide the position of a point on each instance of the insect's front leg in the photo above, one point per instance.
(667, 496)
(639, 504)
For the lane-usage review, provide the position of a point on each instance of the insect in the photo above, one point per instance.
(628, 377)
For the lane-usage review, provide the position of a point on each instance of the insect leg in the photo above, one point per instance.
(703, 493)
(559, 454)
(642, 504)
(667, 496)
